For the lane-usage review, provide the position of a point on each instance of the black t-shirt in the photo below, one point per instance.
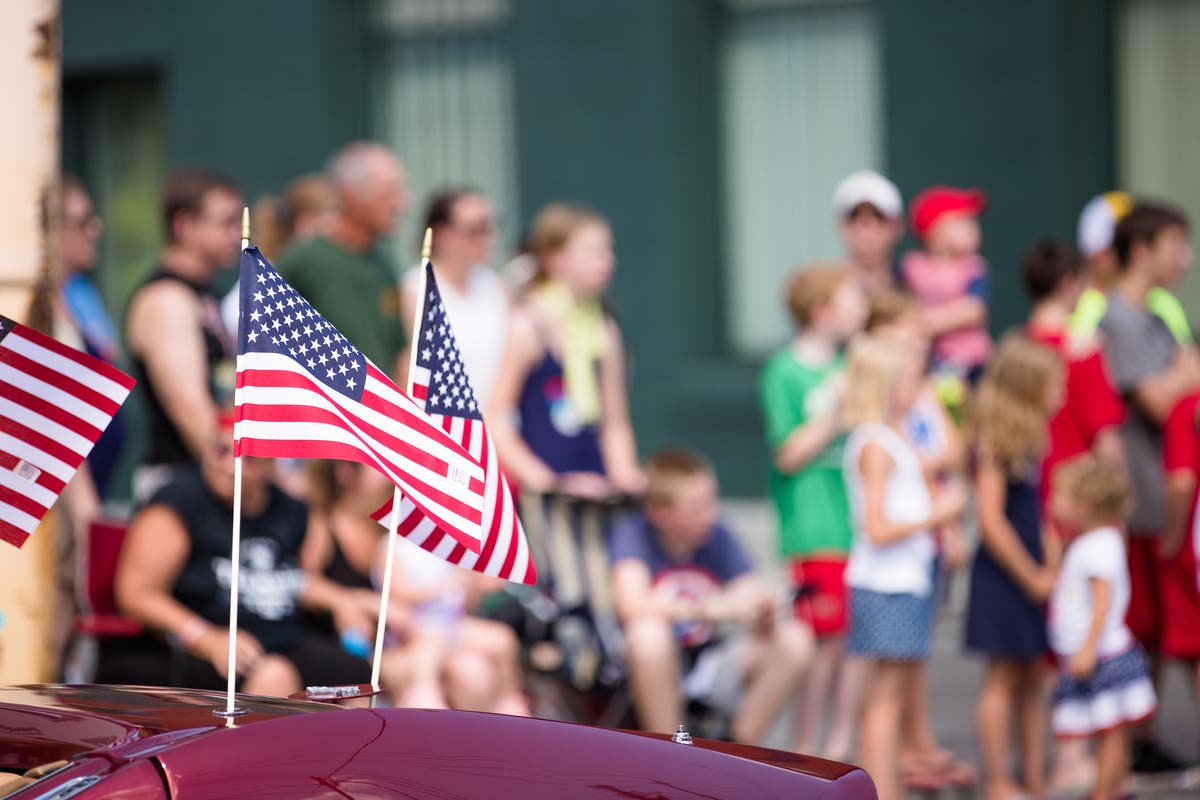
(166, 445)
(271, 579)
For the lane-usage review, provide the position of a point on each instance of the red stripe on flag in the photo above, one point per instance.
(41, 442)
(274, 379)
(22, 502)
(60, 379)
(86, 362)
(45, 480)
(12, 534)
(51, 412)
(308, 414)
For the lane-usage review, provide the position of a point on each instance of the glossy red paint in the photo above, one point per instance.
(148, 739)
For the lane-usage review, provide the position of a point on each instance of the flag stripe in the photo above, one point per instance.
(31, 418)
(51, 412)
(39, 450)
(316, 424)
(12, 534)
(46, 480)
(270, 372)
(68, 402)
(42, 371)
(65, 360)
(23, 503)
(37, 493)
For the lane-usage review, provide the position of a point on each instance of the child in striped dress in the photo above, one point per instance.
(1104, 686)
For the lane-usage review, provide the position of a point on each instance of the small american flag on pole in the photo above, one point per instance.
(54, 404)
(304, 391)
(440, 382)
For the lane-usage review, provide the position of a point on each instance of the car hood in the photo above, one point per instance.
(282, 749)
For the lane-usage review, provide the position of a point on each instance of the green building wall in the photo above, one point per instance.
(617, 107)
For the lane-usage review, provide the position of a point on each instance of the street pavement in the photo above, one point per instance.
(954, 675)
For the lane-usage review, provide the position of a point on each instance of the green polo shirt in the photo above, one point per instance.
(814, 514)
(358, 294)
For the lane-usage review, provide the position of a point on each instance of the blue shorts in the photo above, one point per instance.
(890, 627)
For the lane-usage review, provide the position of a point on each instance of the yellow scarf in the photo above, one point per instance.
(581, 327)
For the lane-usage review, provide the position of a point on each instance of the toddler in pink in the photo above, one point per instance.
(949, 278)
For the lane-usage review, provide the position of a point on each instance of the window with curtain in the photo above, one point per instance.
(802, 108)
(442, 99)
(1158, 109)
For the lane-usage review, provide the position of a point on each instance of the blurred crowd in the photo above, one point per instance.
(1057, 467)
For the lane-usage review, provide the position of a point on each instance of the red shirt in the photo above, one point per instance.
(1181, 443)
(1090, 403)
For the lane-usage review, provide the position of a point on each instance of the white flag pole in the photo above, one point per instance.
(394, 521)
(235, 556)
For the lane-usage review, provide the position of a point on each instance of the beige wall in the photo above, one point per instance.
(29, 85)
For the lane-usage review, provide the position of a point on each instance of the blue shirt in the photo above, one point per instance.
(717, 562)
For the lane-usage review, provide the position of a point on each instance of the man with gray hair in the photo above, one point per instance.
(339, 271)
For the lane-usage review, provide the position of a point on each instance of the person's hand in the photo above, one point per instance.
(1052, 546)
(763, 614)
(214, 645)
(356, 610)
(1169, 544)
(1041, 585)
(542, 480)
(630, 481)
(1082, 664)
(585, 485)
(949, 504)
(954, 549)
(674, 607)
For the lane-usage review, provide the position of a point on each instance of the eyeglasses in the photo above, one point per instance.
(478, 230)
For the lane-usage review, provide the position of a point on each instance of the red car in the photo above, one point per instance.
(60, 741)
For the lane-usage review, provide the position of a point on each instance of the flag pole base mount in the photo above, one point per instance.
(238, 711)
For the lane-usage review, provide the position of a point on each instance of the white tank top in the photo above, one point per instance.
(904, 566)
(479, 318)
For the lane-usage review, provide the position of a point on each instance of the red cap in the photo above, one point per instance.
(932, 204)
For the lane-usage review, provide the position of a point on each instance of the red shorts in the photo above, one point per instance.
(821, 597)
(1145, 617)
(1180, 598)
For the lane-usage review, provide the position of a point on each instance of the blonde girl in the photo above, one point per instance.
(559, 414)
(890, 571)
(1011, 576)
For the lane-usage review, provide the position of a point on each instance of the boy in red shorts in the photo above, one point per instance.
(1180, 572)
(800, 390)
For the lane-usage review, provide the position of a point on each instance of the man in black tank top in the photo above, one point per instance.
(174, 578)
(182, 354)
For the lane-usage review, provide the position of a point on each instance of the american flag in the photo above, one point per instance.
(440, 381)
(304, 391)
(54, 404)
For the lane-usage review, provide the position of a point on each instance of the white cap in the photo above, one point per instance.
(868, 186)
(1098, 221)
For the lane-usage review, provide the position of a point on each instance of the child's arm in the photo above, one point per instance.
(874, 465)
(805, 442)
(616, 432)
(997, 535)
(520, 462)
(1083, 663)
(744, 599)
(967, 311)
(634, 595)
